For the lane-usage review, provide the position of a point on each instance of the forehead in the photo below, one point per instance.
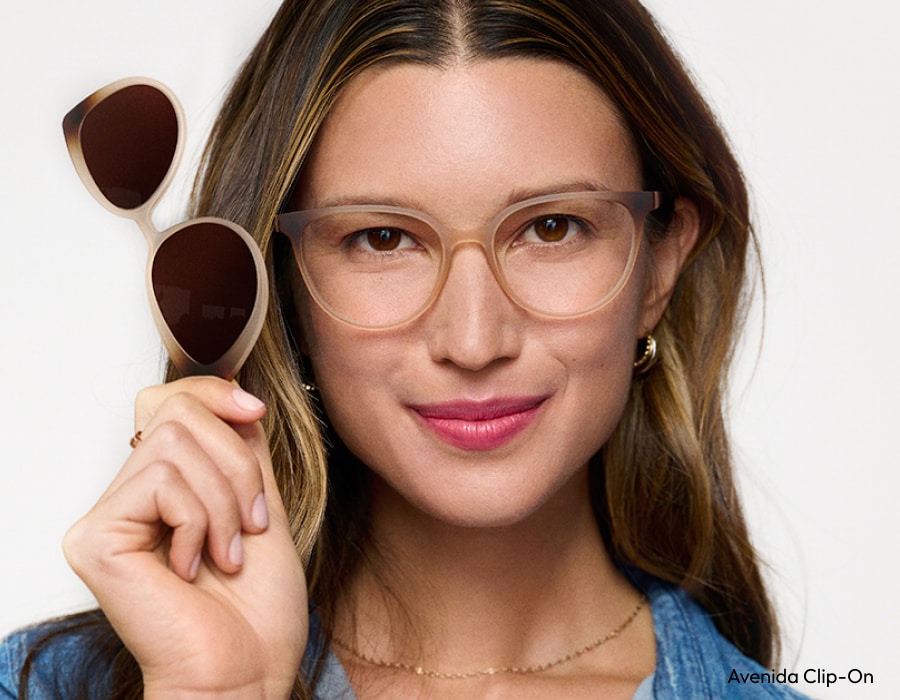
(470, 137)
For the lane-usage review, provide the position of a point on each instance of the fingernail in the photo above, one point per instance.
(236, 551)
(260, 512)
(247, 401)
(195, 567)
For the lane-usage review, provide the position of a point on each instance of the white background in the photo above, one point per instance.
(808, 91)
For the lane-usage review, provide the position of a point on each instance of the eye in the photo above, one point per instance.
(383, 240)
(551, 229)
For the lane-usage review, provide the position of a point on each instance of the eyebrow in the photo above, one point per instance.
(521, 194)
(515, 196)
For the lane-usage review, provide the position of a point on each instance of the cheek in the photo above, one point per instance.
(602, 345)
(351, 369)
(598, 352)
(599, 371)
(332, 357)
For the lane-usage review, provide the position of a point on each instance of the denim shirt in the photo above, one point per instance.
(693, 661)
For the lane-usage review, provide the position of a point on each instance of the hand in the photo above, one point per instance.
(189, 551)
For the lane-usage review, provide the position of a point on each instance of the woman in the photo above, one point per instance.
(525, 487)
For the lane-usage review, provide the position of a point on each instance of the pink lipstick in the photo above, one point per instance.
(480, 425)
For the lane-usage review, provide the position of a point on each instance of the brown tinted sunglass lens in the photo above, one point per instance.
(129, 142)
(204, 280)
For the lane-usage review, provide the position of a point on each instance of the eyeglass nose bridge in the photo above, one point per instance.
(483, 238)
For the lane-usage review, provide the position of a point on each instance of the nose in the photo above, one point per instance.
(473, 323)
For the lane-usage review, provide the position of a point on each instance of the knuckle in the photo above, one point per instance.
(182, 394)
(145, 402)
(211, 492)
(163, 477)
(85, 549)
(219, 496)
(145, 395)
(244, 464)
(171, 435)
(195, 526)
(73, 545)
(168, 483)
(182, 403)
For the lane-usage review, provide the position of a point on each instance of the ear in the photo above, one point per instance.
(667, 258)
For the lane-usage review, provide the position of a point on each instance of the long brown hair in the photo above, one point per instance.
(663, 486)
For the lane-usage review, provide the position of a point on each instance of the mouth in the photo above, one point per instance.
(480, 425)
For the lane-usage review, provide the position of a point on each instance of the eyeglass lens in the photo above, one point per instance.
(129, 141)
(204, 281)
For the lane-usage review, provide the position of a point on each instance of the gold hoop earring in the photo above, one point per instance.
(648, 358)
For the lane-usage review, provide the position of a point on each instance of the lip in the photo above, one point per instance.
(480, 425)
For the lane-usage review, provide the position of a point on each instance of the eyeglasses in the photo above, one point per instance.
(557, 256)
(206, 280)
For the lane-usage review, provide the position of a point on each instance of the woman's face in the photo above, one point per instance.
(477, 412)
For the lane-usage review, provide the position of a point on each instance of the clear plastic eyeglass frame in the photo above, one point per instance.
(295, 225)
(126, 141)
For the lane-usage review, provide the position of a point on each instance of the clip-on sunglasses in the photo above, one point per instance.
(206, 280)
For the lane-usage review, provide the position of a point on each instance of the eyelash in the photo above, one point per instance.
(361, 239)
(408, 241)
(576, 225)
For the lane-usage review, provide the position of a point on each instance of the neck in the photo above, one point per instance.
(464, 598)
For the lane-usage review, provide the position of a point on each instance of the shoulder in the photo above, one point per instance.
(321, 668)
(13, 651)
(61, 659)
(693, 659)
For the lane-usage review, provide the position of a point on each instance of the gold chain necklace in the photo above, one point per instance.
(539, 668)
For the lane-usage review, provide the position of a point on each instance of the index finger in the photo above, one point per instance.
(225, 399)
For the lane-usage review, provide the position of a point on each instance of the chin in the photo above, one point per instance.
(487, 503)
(475, 518)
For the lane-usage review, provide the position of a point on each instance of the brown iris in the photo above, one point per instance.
(552, 229)
(384, 238)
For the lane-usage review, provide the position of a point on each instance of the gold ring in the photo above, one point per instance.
(136, 439)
